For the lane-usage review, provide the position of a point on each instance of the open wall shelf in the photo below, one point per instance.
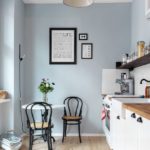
(136, 63)
(4, 101)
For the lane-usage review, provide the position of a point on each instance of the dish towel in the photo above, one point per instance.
(103, 114)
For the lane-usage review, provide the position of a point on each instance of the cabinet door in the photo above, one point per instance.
(117, 132)
(113, 128)
(144, 134)
(131, 137)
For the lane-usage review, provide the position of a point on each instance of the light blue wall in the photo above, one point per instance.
(140, 25)
(7, 62)
(108, 27)
(11, 34)
(0, 29)
(18, 39)
(140, 28)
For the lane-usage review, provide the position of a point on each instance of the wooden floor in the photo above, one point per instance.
(71, 143)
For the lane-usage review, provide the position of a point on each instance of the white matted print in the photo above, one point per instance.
(63, 45)
(86, 50)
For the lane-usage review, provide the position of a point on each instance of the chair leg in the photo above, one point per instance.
(49, 140)
(48, 144)
(79, 132)
(53, 138)
(44, 136)
(30, 140)
(63, 131)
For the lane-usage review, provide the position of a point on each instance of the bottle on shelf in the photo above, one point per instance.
(124, 58)
(140, 48)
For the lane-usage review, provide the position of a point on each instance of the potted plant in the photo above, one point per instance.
(46, 87)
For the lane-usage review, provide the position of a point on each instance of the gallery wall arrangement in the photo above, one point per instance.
(63, 46)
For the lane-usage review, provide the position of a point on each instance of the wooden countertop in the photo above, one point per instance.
(141, 109)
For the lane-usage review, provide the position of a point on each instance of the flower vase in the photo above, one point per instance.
(45, 98)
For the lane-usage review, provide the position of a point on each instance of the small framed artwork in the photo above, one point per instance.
(83, 36)
(62, 44)
(87, 51)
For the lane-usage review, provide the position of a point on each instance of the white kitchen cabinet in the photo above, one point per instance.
(119, 132)
(129, 131)
(131, 135)
(144, 135)
(117, 129)
(138, 132)
(147, 9)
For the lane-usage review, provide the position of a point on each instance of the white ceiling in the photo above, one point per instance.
(60, 1)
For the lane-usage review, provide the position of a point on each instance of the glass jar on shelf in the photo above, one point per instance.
(124, 58)
(136, 54)
(133, 56)
(146, 50)
(129, 59)
(140, 48)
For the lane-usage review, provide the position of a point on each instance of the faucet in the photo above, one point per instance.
(147, 95)
(144, 80)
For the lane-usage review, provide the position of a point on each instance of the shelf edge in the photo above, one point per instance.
(4, 101)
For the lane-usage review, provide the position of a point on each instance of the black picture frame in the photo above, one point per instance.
(83, 36)
(86, 50)
(62, 45)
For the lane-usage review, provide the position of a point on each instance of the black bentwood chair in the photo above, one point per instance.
(72, 114)
(44, 125)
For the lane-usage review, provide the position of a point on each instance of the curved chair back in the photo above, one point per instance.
(73, 106)
(40, 111)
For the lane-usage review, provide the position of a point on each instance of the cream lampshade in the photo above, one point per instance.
(78, 3)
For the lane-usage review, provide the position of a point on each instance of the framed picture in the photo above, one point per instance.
(62, 44)
(83, 36)
(86, 50)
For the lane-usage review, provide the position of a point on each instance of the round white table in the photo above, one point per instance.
(55, 106)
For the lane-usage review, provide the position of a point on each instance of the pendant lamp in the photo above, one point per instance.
(78, 3)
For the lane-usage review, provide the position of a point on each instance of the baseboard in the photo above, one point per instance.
(74, 134)
(83, 134)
